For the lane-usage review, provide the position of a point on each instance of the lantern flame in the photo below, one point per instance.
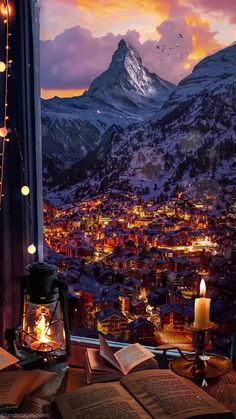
(202, 288)
(43, 341)
(42, 330)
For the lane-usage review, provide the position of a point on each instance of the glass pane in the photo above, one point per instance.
(138, 122)
(43, 328)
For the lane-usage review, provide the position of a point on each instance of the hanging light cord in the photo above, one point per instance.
(23, 172)
(4, 139)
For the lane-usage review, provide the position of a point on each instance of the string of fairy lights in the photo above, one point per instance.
(6, 11)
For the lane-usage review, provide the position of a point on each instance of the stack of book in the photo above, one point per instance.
(103, 365)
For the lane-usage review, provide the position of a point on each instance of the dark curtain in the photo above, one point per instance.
(21, 217)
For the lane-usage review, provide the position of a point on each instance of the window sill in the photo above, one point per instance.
(79, 345)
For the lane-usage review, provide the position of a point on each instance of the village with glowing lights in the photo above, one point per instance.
(133, 267)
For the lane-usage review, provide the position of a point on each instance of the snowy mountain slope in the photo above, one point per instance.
(125, 93)
(192, 143)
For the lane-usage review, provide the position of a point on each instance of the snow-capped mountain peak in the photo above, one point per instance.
(123, 52)
(127, 72)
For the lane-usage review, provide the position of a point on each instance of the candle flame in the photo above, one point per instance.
(42, 330)
(202, 288)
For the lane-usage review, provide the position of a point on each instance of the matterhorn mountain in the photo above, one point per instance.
(124, 94)
(190, 144)
(131, 91)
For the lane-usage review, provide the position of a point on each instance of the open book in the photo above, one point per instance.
(158, 394)
(104, 365)
(7, 360)
(14, 385)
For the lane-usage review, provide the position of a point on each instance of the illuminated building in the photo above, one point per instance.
(111, 321)
(143, 331)
(124, 304)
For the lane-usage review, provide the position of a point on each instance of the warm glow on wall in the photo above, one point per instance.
(3, 132)
(6, 10)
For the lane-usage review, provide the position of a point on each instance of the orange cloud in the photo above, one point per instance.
(105, 8)
(203, 40)
(194, 20)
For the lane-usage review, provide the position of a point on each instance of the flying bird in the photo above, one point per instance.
(157, 47)
(180, 35)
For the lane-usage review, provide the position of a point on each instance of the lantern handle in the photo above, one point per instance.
(22, 289)
(63, 295)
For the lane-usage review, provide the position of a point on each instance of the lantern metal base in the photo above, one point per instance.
(43, 361)
(213, 367)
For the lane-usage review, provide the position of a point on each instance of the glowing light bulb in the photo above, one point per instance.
(31, 249)
(6, 10)
(3, 132)
(25, 190)
(2, 66)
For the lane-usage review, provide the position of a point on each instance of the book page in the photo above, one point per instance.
(166, 395)
(98, 363)
(99, 401)
(106, 353)
(41, 378)
(74, 379)
(13, 386)
(6, 359)
(131, 356)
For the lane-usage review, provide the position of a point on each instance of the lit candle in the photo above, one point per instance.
(202, 309)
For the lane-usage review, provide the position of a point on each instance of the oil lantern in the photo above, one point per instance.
(44, 328)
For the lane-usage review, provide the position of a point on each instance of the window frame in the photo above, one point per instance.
(21, 218)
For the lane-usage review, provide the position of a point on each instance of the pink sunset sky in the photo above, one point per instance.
(78, 37)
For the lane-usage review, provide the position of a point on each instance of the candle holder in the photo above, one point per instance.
(201, 364)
